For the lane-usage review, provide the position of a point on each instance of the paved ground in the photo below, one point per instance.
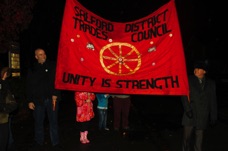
(154, 121)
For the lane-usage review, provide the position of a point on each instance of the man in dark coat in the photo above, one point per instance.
(200, 108)
(43, 98)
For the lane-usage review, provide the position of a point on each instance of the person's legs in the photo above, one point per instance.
(105, 119)
(4, 136)
(39, 114)
(101, 119)
(117, 113)
(84, 127)
(187, 134)
(53, 121)
(11, 145)
(198, 140)
(126, 105)
(11, 140)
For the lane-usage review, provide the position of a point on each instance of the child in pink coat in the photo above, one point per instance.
(84, 113)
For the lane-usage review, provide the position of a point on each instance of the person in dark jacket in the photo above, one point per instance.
(43, 98)
(200, 108)
(7, 105)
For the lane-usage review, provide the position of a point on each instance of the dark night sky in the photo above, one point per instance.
(201, 24)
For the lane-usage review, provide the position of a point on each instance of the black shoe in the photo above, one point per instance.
(58, 147)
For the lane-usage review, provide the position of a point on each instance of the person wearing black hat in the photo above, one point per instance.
(200, 108)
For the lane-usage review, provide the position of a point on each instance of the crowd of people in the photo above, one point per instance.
(43, 99)
(200, 106)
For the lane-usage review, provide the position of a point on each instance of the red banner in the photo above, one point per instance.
(144, 56)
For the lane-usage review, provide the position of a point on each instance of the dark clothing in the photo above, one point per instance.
(6, 107)
(84, 126)
(5, 89)
(203, 107)
(39, 116)
(203, 103)
(188, 132)
(4, 136)
(40, 89)
(121, 108)
(41, 82)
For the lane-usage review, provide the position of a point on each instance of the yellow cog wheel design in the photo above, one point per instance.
(120, 58)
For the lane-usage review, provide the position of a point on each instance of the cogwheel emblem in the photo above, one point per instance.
(120, 58)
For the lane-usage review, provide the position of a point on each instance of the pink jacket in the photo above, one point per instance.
(84, 109)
